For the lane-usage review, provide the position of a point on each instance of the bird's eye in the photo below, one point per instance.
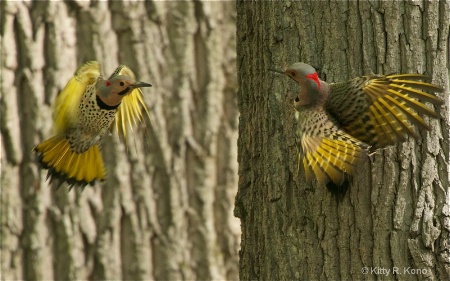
(121, 83)
(293, 73)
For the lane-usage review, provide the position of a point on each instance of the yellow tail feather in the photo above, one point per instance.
(68, 166)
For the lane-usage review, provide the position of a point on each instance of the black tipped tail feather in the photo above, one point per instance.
(65, 165)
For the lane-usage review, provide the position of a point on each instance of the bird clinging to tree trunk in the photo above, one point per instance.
(83, 113)
(340, 123)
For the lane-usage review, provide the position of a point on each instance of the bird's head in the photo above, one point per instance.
(112, 91)
(309, 82)
(305, 75)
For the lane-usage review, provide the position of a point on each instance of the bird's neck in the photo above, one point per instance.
(309, 97)
(103, 105)
(108, 101)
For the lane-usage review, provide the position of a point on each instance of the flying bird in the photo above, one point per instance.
(341, 123)
(84, 112)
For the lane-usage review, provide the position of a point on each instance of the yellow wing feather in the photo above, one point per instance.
(388, 108)
(331, 158)
(67, 103)
(394, 106)
(130, 112)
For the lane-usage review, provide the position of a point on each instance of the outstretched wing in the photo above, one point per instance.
(383, 110)
(326, 151)
(68, 101)
(130, 112)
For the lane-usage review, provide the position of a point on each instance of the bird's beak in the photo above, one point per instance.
(276, 70)
(282, 72)
(139, 85)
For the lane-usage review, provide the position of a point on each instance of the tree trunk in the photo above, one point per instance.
(165, 211)
(396, 214)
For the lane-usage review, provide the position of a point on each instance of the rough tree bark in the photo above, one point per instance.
(165, 211)
(396, 214)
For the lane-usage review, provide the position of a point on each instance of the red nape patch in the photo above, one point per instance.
(315, 78)
(108, 83)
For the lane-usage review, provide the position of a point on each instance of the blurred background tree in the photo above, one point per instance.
(396, 213)
(165, 211)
